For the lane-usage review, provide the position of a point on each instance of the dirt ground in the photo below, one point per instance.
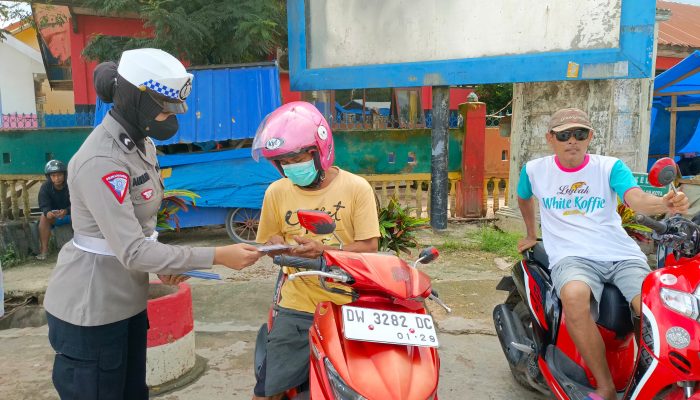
(228, 314)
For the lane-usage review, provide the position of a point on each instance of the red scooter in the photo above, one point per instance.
(532, 327)
(382, 345)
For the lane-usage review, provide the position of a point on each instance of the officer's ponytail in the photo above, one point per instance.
(105, 78)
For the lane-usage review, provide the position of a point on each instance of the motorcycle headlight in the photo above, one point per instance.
(341, 390)
(680, 302)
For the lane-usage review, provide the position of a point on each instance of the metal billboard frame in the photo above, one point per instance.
(632, 59)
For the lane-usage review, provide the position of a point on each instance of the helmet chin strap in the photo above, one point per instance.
(320, 177)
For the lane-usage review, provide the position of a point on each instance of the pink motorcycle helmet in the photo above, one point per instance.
(292, 129)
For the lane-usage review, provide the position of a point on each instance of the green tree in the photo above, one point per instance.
(200, 31)
(496, 96)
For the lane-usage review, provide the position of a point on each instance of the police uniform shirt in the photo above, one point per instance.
(116, 191)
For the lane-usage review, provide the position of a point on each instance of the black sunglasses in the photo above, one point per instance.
(579, 134)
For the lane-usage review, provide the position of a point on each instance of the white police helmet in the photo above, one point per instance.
(160, 75)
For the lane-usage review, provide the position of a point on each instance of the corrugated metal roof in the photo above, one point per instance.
(683, 28)
(227, 102)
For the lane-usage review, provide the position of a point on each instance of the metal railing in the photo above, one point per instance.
(34, 121)
(19, 121)
(374, 121)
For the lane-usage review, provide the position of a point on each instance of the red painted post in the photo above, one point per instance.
(471, 188)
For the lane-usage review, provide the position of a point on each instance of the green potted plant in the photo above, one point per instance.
(397, 228)
(636, 231)
(174, 201)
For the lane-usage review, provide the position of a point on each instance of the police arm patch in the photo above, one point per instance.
(147, 194)
(118, 184)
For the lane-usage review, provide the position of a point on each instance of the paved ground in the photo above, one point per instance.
(229, 313)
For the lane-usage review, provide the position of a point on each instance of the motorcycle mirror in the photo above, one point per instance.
(663, 172)
(428, 254)
(317, 222)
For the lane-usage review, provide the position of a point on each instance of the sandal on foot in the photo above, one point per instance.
(593, 396)
(41, 256)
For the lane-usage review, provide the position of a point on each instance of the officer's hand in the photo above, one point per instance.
(236, 256)
(526, 243)
(51, 215)
(677, 203)
(307, 248)
(173, 279)
(61, 214)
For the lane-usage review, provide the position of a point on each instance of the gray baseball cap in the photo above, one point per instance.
(568, 118)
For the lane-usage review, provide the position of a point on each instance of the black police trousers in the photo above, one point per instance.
(105, 362)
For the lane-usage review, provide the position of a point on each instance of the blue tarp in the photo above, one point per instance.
(340, 109)
(225, 179)
(225, 103)
(681, 78)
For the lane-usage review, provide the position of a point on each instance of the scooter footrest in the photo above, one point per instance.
(570, 376)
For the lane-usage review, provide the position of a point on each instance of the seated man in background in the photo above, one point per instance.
(54, 202)
(689, 164)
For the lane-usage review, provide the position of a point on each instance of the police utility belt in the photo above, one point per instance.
(100, 246)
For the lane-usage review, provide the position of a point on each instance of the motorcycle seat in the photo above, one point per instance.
(539, 255)
(614, 311)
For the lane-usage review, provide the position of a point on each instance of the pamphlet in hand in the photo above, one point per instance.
(274, 247)
(203, 275)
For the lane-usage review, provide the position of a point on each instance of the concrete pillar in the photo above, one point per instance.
(471, 188)
(440, 184)
(620, 111)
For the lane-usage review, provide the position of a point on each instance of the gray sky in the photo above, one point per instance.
(693, 2)
(4, 22)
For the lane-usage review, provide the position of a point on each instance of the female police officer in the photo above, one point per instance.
(96, 299)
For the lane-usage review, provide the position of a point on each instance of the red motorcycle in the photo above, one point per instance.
(382, 345)
(532, 327)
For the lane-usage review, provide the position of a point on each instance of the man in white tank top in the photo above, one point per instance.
(582, 231)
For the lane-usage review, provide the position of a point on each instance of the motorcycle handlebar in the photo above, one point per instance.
(658, 226)
(299, 262)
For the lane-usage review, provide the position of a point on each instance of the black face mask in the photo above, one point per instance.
(161, 130)
(136, 111)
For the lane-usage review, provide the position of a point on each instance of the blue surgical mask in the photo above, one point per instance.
(301, 174)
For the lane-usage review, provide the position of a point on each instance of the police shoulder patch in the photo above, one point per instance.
(147, 194)
(126, 141)
(118, 183)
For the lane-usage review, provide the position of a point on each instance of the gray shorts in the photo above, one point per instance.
(627, 275)
(286, 363)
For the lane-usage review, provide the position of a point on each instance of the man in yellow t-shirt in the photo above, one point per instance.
(298, 141)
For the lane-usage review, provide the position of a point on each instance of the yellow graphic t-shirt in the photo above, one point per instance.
(349, 199)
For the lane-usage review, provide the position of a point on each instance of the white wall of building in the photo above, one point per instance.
(18, 65)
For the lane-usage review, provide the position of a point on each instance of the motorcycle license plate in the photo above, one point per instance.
(370, 325)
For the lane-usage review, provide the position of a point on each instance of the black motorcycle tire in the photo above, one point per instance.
(516, 304)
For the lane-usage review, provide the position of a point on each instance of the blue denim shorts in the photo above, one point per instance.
(62, 221)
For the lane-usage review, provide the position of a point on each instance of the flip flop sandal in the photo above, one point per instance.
(593, 396)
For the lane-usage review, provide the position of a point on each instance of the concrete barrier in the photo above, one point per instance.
(170, 355)
(22, 237)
